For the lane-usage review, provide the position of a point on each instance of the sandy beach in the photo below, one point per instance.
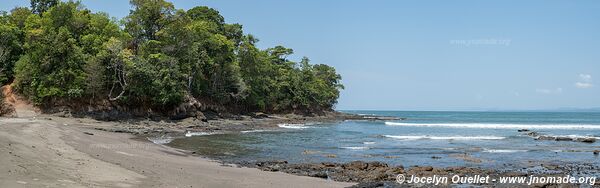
(68, 152)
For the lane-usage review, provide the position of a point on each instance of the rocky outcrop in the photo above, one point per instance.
(356, 171)
(190, 108)
(538, 136)
(566, 138)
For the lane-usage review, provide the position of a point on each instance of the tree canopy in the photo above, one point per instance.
(156, 57)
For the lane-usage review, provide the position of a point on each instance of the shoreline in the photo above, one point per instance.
(69, 152)
(380, 174)
(147, 164)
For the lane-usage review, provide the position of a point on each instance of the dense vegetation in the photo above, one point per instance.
(157, 58)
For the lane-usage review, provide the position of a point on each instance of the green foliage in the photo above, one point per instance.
(10, 50)
(18, 16)
(41, 6)
(60, 46)
(161, 56)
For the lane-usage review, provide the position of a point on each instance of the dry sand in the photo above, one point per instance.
(62, 152)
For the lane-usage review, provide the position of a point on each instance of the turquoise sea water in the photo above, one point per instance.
(489, 139)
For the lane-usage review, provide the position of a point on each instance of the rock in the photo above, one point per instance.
(596, 152)
(436, 157)
(421, 168)
(466, 157)
(586, 140)
(523, 130)
(330, 164)
(356, 165)
(546, 138)
(563, 138)
(369, 185)
(331, 156)
(259, 115)
(310, 152)
(88, 133)
(533, 134)
(189, 108)
(319, 174)
(272, 166)
(550, 166)
(376, 165)
(65, 114)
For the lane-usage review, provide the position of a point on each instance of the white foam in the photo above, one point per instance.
(574, 136)
(503, 151)
(292, 126)
(161, 140)
(356, 147)
(365, 114)
(254, 131)
(445, 137)
(497, 125)
(190, 134)
(368, 143)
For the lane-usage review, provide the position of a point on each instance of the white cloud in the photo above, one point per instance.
(585, 78)
(583, 85)
(549, 91)
(585, 81)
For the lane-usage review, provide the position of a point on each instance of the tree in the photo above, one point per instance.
(40, 6)
(147, 18)
(18, 16)
(66, 54)
(203, 13)
(10, 50)
(61, 50)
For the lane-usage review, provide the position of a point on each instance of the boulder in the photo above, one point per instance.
(421, 168)
(586, 140)
(356, 165)
(533, 134)
(543, 137)
(563, 138)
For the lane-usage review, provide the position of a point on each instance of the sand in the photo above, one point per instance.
(67, 152)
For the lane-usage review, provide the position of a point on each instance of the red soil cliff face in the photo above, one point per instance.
(14, 106)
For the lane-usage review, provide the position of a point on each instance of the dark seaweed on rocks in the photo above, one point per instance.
(356, 171)
(378, 174)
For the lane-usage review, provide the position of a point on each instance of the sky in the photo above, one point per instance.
(430, 55)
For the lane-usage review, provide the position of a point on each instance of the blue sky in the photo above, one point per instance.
(430, 55)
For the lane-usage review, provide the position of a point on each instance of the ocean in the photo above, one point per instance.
(441, 139)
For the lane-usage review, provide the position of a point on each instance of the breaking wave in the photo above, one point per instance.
(496, 125)
(190, 134)
(293, 126)
(445, 137)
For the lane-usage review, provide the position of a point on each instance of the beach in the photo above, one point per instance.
(67, 152)
(276, 151)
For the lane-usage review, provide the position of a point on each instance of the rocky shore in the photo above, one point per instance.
(366, 174)
(225, 123)
(541, 137)
(377, 174)
(42, 151)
